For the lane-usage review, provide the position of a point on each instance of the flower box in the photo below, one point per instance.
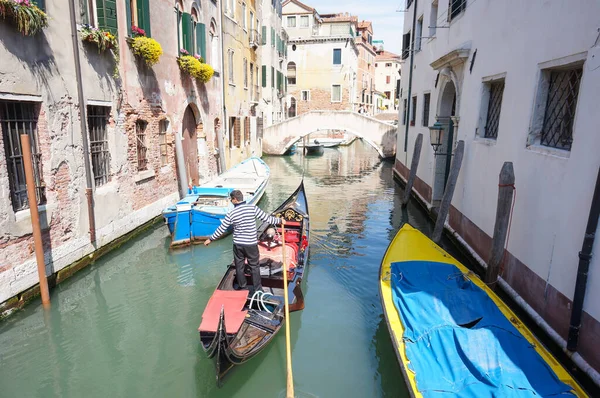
(26, 15)
(195, 67)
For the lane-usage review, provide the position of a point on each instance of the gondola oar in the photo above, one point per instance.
(290, 378)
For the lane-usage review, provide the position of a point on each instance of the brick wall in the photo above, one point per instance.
(321, 100)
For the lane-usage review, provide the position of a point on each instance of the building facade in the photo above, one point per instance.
(109, 163)
(274, 64)
(322, 58)
(525, 93)
(364, 100)
(241, 74)
(388, 72)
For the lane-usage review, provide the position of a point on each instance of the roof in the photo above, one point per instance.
(387, 116)
(365, 25)
(299, 4)
(341, 17)
(387, 56)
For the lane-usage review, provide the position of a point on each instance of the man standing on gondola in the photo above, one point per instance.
(245, 241)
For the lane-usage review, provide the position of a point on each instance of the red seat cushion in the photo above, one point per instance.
(233, 301)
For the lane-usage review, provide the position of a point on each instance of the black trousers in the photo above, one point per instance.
(241, 253)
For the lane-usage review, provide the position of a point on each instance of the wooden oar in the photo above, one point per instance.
(290, 378)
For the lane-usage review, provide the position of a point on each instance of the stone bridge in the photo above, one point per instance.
(278, 138)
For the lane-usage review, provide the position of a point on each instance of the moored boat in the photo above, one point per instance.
(199, 214)
(236, 327)
(315, 149)
(453, 336)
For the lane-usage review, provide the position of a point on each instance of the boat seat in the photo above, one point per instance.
(233, 301)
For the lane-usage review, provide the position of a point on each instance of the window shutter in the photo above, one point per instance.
(186, 29)
(143, 11)
(264, 75)
(128, 14)
(272, 37)
(107, 15)
(264, 36)
(272, 77)
(201, 40)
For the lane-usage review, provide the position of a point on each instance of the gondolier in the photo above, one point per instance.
(245, 241)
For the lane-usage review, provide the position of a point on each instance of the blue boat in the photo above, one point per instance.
(199, 213)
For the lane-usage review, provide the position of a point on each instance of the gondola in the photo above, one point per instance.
(235, 326)
(453, 336)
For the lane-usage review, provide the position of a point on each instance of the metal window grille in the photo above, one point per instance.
(455, 7)
(259, 127)
(247, 129)
(405, 105)
(494, 107)
(413, 111)
(97, 122)
(162, 140)
(426, 100)
(237, 132)
(559, 114)
(21, 118)
(142, 149)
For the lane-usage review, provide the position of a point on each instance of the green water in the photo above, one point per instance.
(127, 325)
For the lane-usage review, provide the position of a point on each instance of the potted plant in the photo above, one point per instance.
(195, 66)
(104, 39)
(26, 15)
(145, 47)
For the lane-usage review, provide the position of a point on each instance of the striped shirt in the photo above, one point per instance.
(243, 218)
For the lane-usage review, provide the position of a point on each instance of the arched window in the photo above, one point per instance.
(214, 59)
(291, 73)
(292, 110)
(180, 30)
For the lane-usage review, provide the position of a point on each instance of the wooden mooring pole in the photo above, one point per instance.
(35, 219)
(448, 192)
(506, 187)
(414, 164)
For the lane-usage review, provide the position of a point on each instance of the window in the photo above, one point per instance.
(433, 16)
(560, 106)
(263, 39)
(493, 91)
(237, 132)
(97, 119)
(304, 21)
(291, 22)
(231, 8)
(388, 64)
(337, 56)
(252, 21)
(413, 111)
(21, 118)
(142, 148)
(305, 95)
(336, 93)
(272, 77)
(426, 100)
(455, 7)
(419, 33)
(292, 110)
(244, 17)
(388, 79)
(245, 66)
(406, 45)
(404, 115)
(163, 126)
(230, 64)
(231, 131)
(215, 55)
(247, 130)
(388, 94)
(273, 37)
(198, 36)
(138, 14)
(264, 75)
(291, 73)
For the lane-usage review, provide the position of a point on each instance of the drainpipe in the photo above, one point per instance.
(410, 73)
(225, 123)
(585, 255)
(89, 194)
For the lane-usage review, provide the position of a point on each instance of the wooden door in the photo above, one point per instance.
(190, 146)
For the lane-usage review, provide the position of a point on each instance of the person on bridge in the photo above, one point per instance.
(245, 240)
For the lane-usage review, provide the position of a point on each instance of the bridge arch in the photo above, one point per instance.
(278, 138)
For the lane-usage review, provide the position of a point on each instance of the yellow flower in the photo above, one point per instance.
(147, 48)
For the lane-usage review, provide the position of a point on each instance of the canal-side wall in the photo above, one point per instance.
(554, 186)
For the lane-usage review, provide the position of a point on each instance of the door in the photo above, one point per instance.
(190, 146)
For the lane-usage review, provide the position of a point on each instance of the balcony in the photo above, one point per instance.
(254, 38)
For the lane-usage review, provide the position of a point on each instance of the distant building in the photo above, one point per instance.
(366, 68)
(322, 59)
(387, 77)
(514, 87)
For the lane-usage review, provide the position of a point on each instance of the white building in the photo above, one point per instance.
(322, 59)
(519, 83)
(274, 63)
(387, 77)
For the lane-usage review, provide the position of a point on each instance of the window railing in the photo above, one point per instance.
(97, 122)
(254, 38)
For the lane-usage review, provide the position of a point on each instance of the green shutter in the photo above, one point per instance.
(186, 29)
(128, 14)
(143, 14)
(41, 4)
(272, 37)
(107, 15)
(279, 81)
(285, 48)
(264, 36)
(201, 41)
(272, 77)
(264, 75)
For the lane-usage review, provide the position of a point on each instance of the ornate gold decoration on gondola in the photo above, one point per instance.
(290, 215)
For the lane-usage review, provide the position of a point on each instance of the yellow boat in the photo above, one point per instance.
(453, 336)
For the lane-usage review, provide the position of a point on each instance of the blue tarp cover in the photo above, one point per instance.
(458, 341)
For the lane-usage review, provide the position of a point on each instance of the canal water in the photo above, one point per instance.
(126, 326)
